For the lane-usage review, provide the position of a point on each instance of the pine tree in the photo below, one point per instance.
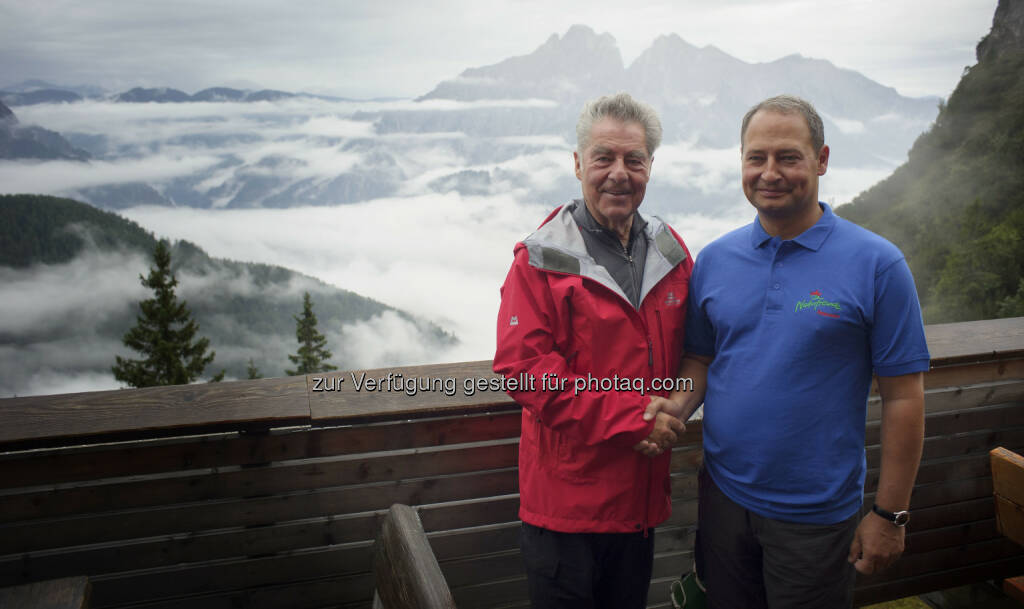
(313, 354)
(252, 370)
(165, 334)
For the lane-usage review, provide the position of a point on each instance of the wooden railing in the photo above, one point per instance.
(269, 493)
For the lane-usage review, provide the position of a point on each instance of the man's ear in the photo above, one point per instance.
(576, 162)
(823, 160)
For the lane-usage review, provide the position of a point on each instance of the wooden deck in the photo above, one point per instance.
(269, 493)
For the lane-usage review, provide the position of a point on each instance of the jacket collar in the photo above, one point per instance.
(558, 246)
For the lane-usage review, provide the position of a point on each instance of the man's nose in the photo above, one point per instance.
(771, 171)
(618, 170)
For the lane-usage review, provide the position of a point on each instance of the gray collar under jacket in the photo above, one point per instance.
(559, 246)
(624, 263)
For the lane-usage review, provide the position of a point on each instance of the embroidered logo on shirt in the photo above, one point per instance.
(514, 321)
(816, 302)
(672, 300)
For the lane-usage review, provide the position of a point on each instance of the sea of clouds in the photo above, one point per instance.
(441, 256)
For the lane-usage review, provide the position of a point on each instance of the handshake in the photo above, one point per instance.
(668, 427)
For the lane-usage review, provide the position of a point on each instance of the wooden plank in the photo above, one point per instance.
(943, 559)
(1008, 486)
(64, 593)
(200, 516)
(406, 573)
(949, 513)
(153, 552)
(499, 517)
(975, 340)
(48, 419)
(448, 545)
(470, 512)
(508, 592)
(928, 540)
(936, 580)
(483, 566)
(306, 593)
(954, 492)
(212, 577)
(969, 444)
(945, 398)
(1008, 474)
(1010, 519)
(272, 479)
(991, 416)
(388, 399)
(972, 374)
(1014, 588)
(55, 466)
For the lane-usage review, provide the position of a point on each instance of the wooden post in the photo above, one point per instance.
(406, 572)
(1008, 485)
(64, 593)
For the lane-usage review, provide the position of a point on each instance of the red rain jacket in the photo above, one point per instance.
(564, 316)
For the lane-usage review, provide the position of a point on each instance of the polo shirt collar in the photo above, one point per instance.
(811, 238)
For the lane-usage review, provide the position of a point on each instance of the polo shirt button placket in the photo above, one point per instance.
(774, 302)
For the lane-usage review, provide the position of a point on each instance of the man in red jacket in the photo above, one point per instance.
(593, 311)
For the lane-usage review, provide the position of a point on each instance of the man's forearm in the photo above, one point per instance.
(902, 437)
(689, 397)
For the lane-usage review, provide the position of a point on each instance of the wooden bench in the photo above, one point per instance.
(1008, 490)
(405, 570)
(269, 493)
(64, 593)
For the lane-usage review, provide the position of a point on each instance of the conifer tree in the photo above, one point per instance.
(165, 334)
(252, 370)
(313, 354)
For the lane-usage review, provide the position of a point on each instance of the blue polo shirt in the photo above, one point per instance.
(796, 328)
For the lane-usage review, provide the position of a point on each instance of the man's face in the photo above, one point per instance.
(780, 166)
(614, 170)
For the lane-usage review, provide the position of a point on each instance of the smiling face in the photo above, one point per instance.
(781, 169)
(614, 169)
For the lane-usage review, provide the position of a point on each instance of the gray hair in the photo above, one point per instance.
(623, 107)
(789, 104)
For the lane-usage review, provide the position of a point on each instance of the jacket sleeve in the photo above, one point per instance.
(527, 343)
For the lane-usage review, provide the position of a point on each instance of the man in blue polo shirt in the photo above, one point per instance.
(788, 319)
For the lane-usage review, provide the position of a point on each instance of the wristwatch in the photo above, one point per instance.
(899, 519)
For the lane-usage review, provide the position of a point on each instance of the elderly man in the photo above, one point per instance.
(788, 319)
(593, 310)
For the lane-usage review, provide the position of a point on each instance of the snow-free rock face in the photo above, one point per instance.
(159, 95)
(6, 116)
(579, 64)
(30, 142)
(1007, 34)
(40, 96)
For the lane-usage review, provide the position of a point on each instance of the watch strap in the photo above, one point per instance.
(899, 519)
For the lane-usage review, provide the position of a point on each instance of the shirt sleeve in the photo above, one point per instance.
(898, 343)
(700, 335)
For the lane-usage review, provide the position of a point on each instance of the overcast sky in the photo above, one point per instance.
(402, 48)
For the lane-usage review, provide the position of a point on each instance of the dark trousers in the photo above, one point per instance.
(747, 561)
(587, 570)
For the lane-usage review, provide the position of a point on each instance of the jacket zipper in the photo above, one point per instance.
(650, 462)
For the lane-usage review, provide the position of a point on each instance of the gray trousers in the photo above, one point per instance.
(747, 561)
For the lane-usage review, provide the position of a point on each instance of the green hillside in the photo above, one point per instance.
(245, 309)
(956, 207)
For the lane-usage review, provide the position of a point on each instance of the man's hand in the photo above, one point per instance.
(660, 404)
(667, 428)
(876, 544)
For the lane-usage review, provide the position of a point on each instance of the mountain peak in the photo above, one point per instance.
(7, 116)
(580, 63)
(1007, 32)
